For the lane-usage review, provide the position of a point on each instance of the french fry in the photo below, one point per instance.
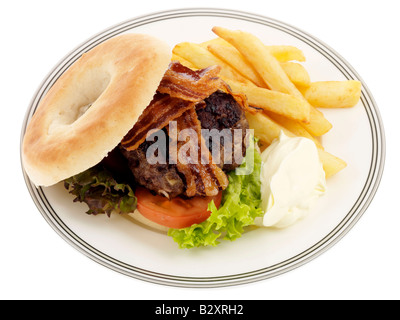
(255, 52)
(182, 61)
(297, 74)
(331, 163)
(231, 56)
(333, 94)
(294, 127)
(273, 101)
(272, 73)
(318, 124)
(201, 58)
(266, 129)
(285, 53)
(217, 41)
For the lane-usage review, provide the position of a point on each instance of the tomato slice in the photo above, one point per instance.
(175, 213)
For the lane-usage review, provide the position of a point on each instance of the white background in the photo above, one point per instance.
(35, 263)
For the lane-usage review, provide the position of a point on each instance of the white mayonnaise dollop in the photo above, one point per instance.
(292, 178)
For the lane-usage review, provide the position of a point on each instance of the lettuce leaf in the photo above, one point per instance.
(101, 192)
(239, 207)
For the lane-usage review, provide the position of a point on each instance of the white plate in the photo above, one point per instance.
(357, 137)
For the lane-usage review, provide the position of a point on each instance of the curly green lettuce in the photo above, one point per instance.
(239, 207)
(101, 192)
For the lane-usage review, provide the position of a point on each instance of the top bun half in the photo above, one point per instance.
(92, 106)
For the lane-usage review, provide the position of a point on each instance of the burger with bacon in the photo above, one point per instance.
(127, 131)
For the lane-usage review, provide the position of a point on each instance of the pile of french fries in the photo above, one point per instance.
(276, 83)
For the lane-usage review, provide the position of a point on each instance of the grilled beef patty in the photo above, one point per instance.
(220, 111)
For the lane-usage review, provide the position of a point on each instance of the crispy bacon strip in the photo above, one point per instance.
(157, 115)
(185, 83)
(203, 177)
(240, 98)
(180, 89)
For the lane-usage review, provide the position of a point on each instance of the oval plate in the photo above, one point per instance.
(357, 137)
